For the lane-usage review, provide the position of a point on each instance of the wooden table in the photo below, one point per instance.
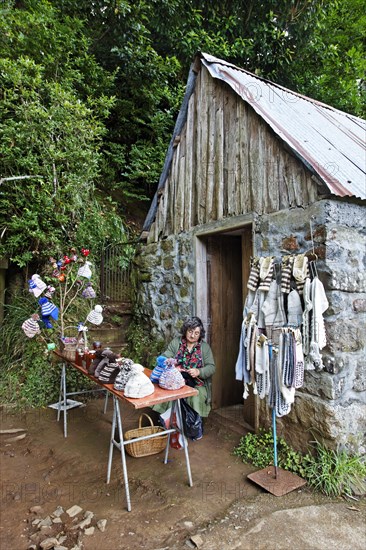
(159, 396)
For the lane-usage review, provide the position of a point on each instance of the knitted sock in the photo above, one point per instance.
(254, 274)
(286, 272)
(266, 268)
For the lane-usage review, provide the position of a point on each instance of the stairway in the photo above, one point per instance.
(117, 317)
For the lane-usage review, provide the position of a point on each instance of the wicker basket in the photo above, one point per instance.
(68, 345)
(147, 446)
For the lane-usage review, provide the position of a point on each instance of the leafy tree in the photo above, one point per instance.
(52, 112)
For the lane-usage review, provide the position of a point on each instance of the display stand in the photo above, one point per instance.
(275, 480)
(64, 404)
(159, 396)
(120, 445)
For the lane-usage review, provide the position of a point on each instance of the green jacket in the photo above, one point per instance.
(208, 368)
(206, 371)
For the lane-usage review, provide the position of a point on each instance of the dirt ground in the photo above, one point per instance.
(220, 511)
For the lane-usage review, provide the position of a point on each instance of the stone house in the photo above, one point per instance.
(254, 169)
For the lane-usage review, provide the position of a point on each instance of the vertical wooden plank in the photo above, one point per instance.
(177, 205)
(231, 145)
(187, 214)
(245, 194)
(203, 96)
(219, 188)
(210, 156)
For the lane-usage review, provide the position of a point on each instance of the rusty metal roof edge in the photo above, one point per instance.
(334, 185)
(211, 59)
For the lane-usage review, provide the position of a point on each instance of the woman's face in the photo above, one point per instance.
(193, 335)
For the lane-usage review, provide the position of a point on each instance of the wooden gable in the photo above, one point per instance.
(227, 162)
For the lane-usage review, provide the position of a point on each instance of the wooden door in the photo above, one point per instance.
(225, 313)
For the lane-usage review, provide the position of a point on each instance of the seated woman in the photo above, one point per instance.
(195, 361)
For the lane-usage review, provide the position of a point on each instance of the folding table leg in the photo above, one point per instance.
(185, 442)
(105, 402)
(117, 420)
(63, 399)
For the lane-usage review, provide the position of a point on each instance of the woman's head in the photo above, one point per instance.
(193, 325)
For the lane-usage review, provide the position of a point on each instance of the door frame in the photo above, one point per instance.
(235, 226)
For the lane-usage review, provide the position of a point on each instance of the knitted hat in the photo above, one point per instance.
(50, 292)
(95, 316)
(158, 369)
(171, 378)
(85, 271)
(95, 361)
(36, 285)
(31, 327)
(88, 291)
(107, 356)
(48, 308)
(138, 384)
(124, 374)
(294, 309)
(109, 373)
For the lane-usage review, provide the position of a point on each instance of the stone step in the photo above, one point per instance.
(107, 335)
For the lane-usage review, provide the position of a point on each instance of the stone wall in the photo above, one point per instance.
(165, 285)
(332, 402)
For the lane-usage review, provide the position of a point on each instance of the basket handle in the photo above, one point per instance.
(148, 417)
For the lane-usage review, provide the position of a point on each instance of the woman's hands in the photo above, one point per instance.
(194, 372)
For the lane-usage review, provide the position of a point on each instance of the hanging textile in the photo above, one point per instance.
(284, 308)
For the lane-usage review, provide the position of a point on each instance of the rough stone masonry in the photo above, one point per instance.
(332, 403)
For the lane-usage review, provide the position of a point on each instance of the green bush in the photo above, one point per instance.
(29, 376)
(336, 472)
(141, 347)
(332, 472)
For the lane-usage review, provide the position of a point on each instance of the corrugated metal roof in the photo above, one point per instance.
(330, 142)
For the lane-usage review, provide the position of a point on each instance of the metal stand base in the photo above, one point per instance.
(277, 481)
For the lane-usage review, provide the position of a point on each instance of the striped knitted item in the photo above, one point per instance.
(109, 373)
(31, 327)
(286, 273)
(158, 369)
(48, 308)
(266, 269)
(254, 274)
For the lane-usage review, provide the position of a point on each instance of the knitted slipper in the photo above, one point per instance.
(294, 309)
(270, 304)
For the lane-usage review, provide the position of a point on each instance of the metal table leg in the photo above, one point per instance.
(185, 442)
(120, 445)
(106, 402)
(62, 401)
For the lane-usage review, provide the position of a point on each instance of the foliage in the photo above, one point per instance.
(29, 376)
(52, 111)
(333, 472)
(142, 348)
(257, 449)
(336, 472)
